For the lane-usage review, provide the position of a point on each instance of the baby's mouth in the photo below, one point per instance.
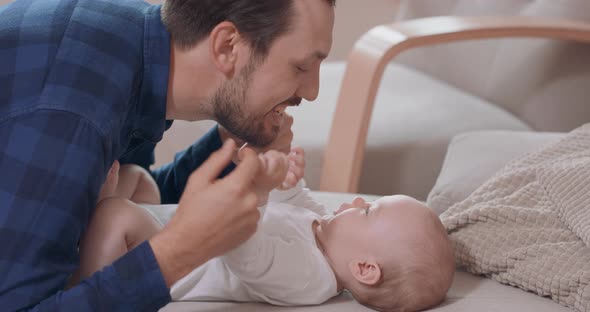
(279, 110)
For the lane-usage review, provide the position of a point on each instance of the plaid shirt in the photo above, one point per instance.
(82, 83)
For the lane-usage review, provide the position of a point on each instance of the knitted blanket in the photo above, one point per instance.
(529, 225)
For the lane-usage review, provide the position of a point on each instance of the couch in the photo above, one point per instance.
(441, 118)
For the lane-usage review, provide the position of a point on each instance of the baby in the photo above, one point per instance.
(392, 254)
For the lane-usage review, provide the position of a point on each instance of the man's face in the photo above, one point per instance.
(251, 105)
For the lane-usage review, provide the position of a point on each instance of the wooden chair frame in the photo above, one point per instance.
(344, 153)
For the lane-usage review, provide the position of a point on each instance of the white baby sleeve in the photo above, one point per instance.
(252, 257)
(298, 196)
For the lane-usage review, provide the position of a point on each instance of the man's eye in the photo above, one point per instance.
(300, 69)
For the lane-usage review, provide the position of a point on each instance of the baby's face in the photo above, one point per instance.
(360, 228)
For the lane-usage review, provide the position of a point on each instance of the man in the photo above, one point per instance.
(86, 82)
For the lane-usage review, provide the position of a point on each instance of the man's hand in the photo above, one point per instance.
(213, 216)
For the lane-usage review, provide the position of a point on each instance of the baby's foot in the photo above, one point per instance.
(110, 184)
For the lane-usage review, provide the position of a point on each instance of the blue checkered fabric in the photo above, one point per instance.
(82, 83)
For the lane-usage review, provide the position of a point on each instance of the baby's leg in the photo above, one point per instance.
(136, 184)
(117, 226)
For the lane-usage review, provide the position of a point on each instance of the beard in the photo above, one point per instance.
(227, 109)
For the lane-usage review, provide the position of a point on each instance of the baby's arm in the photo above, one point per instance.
(296, 170)
(293, 190)
(282, 266)
(273, 170)
(248, 257)
(298, 197)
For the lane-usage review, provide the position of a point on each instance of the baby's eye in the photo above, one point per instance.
(366, 211)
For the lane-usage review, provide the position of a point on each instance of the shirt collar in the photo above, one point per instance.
(151, 119)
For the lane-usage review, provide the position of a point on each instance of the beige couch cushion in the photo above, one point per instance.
(413, 120)
(467, 294)
(475, 156)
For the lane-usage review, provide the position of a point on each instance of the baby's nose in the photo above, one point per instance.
(359, 202)
(343, 207)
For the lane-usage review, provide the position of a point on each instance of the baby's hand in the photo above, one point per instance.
(272, 172)
(296, 168)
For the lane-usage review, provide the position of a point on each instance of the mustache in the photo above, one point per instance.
(294, 101)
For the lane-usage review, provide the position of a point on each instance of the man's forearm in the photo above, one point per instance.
(132, 283)
(42, 222)
(174, 262)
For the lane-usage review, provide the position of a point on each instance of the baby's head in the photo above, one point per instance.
(392, 254)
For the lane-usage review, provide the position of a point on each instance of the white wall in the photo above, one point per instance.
(353, 18)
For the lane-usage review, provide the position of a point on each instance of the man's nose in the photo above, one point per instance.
(310, 85)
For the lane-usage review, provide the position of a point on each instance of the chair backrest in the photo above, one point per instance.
(544, 82)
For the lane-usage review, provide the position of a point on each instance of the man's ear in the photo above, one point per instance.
(223, 47)
(365, 272)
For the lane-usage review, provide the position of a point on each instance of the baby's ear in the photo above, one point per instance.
(365, 272)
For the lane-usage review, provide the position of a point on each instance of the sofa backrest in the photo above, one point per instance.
(544, 82)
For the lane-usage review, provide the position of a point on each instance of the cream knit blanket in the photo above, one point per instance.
(529, 225)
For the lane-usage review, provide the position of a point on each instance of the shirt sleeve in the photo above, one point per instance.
(172, 178)
(52, 165)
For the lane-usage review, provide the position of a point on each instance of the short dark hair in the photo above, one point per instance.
(259, 21)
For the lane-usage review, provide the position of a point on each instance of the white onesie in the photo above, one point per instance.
(281, 264)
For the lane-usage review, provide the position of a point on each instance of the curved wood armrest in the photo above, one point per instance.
(345, 150)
